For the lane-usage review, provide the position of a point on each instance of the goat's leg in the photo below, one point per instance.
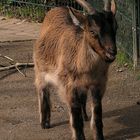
(96, 119)
(44, 107)
(76, 119)
(83, 99)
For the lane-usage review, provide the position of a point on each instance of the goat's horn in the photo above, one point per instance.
(107, 5)
(113, 6)
(87, 6)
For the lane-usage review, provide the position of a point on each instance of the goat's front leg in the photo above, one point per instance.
(76, 119)
(96, 119)
(83, 98)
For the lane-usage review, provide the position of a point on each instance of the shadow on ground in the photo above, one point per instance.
(128, 117)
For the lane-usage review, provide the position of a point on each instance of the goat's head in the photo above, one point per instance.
(100, 28)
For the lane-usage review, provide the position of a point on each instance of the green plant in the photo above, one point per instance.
(123, 58)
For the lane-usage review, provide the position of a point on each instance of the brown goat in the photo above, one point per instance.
(72, 56)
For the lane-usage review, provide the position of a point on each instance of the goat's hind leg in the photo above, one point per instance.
(44, 106)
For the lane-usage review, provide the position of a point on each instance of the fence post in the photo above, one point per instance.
(138, 28)
(134, 29)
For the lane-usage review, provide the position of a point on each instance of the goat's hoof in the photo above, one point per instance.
(79, 136)
(45, 125)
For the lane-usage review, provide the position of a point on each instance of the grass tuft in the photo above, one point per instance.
(123, 59)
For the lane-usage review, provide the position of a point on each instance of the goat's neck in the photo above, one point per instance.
(88, 59)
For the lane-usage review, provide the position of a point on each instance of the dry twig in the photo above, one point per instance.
(15, 65)
(7, 57)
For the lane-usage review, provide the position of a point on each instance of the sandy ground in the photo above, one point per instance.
(12, 29)
(19, 119)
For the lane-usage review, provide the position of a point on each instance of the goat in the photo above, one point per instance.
(72, 55)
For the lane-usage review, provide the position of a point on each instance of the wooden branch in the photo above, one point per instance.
(2, 65)
(20, 71)
(17, 65)
(7, 57)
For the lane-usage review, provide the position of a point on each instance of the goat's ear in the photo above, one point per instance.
(113, 7)
(76, 19)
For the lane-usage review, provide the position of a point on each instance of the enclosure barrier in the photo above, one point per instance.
(32, 9)
(136, 33)
(128, 35)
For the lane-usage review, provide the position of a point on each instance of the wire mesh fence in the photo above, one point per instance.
(35, 10)
(32, 9)
(125, 34)
(22, 9)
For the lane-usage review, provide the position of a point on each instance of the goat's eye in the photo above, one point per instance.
(94, 33)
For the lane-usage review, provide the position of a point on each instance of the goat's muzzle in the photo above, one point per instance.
(110, 55)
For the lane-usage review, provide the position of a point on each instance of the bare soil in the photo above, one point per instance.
(19, 118)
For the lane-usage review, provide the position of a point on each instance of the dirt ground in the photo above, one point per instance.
(19, 118)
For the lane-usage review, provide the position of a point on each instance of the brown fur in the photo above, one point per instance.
(70, 59)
